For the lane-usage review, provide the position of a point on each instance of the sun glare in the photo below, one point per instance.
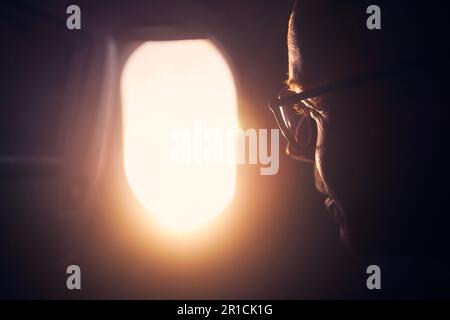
(168, 88)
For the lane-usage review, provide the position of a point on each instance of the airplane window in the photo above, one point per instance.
(179, 107)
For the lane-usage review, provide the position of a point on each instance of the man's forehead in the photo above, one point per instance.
(328, 39)
(325, 41)
(294, 56)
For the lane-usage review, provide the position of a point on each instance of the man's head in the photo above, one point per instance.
(381, 150)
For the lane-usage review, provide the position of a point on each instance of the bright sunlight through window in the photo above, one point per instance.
(173, 92)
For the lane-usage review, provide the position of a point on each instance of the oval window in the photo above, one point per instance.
(178, 104)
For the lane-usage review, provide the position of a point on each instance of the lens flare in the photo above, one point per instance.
(167, 86)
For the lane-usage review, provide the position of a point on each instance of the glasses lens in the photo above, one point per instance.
(298, 128)
(287, 121)
(303, 130)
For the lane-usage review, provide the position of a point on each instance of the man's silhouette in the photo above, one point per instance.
(375, 110)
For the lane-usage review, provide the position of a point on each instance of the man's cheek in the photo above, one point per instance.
(322, 157)
(332, 161)
(319, 182)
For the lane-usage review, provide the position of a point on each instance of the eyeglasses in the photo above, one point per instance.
(292, 111)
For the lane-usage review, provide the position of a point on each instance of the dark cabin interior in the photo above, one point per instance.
(63, 194)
